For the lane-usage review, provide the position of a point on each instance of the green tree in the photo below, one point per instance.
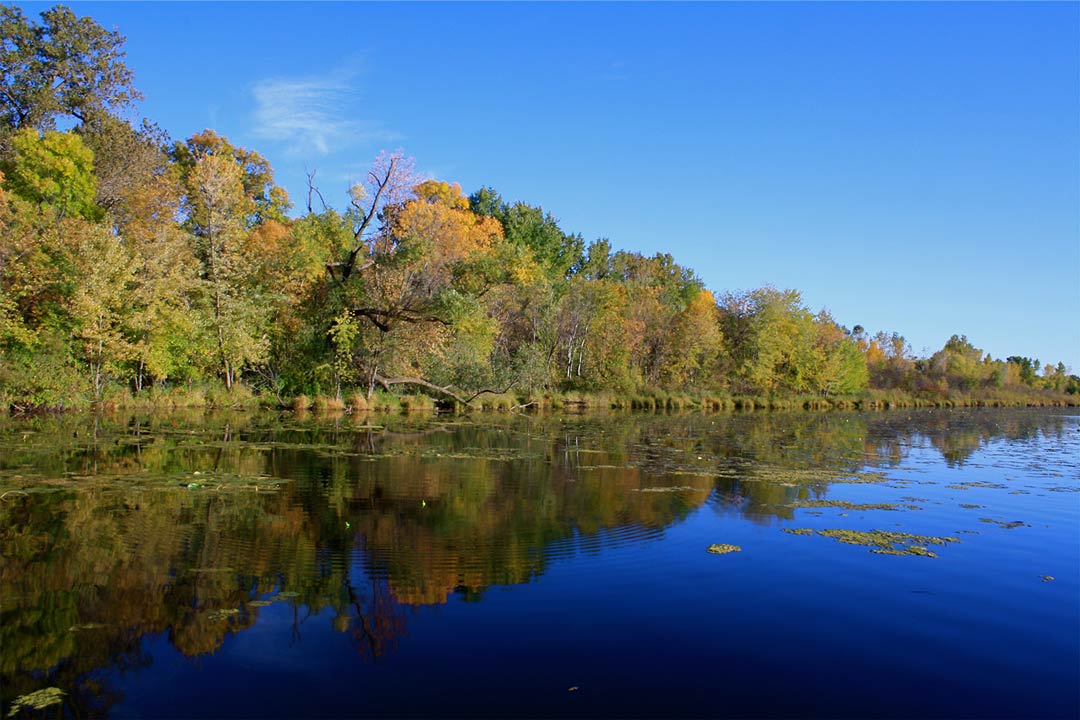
(839, 366)
(125, 158)
(55, 169)
(63, 67)
(960, 363)
(771, 339)
(100, 303)
(261, 198)
(237, 312)
(162, 328)
(559, 253)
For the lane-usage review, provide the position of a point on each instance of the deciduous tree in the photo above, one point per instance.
(65, 66)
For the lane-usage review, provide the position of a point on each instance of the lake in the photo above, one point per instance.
(898, 564)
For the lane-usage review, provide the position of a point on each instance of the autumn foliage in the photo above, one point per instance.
(130, 263)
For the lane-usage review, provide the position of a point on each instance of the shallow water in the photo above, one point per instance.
(504, 565)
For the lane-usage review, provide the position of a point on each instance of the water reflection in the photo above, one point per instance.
(187, 527)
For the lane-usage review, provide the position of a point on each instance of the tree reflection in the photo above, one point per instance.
(187, 528)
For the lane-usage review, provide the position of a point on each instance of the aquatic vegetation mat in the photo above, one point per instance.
(888, 542)
(37, 700)
(791, 477)
(844, 504)
(222, 614)
(197, 481)
(1007, 525)
(723, 549)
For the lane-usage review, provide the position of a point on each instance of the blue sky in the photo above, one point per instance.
(911, 167)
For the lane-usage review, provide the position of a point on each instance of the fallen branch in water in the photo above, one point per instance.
(445, 390)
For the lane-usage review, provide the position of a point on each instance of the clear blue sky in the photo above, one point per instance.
(911, 167)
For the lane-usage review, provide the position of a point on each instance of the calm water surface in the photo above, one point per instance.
(253, 565)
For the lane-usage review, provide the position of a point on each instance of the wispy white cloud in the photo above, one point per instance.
(312, 114)
(617, 70)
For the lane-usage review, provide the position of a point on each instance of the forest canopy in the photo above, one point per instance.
(132, 263)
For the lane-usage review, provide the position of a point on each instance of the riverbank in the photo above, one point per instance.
(242, 397)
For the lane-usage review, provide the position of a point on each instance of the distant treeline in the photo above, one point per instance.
(132, 265)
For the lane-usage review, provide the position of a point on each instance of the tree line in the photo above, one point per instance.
(131, 263)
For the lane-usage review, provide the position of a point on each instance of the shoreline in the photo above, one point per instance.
(532, 403)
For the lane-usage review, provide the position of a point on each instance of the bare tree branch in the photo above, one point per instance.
(381, 184)
(313, 190)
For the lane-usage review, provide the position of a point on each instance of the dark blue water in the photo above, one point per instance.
(543, 566)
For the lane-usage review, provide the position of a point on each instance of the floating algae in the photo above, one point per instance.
(1046, 578)
(791, 477)
(853, 506)
(976, 484)
(260, 603)
(886, 542)
(909, 550)
(722, 549)
(970, 506)
(677, 488)
(1006, 525)
(37, 700)
(798, 531)
(222, 614)
(221, 483)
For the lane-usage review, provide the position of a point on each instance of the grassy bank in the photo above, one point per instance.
(216, 396)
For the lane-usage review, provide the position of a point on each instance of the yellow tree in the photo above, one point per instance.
(599, 333)
(836, 364)
(161, 326)
(237, 312)
(696, 343)
(262, 199)
(419, 289)
(99, 304)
